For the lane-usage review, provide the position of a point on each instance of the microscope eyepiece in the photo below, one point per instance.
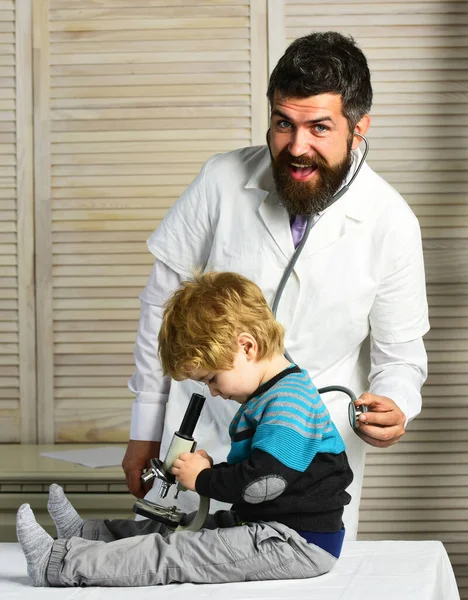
(191, 415)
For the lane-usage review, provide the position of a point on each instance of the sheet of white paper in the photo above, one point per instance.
(93, 457)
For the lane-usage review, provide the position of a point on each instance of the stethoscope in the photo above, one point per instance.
(353, 410)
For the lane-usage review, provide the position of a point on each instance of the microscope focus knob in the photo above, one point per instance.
(156, 471)
(148, 476)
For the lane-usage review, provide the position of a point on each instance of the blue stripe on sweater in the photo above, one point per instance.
(291, 448)
(288, 402)
(286, 445)
(289, 421)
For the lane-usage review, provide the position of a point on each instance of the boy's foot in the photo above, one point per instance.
(36, 544)
(67, 521)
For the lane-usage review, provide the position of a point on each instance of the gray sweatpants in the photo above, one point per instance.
(140, 553)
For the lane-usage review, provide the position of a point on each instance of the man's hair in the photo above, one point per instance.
(203, 319)
(325, 63)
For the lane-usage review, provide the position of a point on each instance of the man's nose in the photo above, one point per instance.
(300, 143)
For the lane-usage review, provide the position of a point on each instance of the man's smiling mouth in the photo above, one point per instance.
(300, 171)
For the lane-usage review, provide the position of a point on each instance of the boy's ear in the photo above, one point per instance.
(248, 345)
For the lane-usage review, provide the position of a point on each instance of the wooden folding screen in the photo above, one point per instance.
(418, 55)
(132, 98)
(18, 418)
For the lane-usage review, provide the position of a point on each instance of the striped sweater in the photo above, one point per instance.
(287, 461)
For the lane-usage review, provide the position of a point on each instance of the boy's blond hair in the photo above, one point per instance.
(203, 319)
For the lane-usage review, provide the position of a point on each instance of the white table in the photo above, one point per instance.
(383, 570)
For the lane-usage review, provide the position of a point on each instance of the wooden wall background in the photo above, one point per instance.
(108, 108)
(17, 284)
(418, 55)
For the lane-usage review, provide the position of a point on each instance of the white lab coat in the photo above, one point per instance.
(361, 272)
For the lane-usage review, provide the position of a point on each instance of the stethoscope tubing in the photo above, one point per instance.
(353, 410)
(289, 269)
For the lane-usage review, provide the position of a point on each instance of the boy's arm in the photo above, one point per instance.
(259, 478)
(263, 476)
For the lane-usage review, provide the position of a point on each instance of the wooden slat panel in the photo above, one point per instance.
(43, 218)
(139, 96)
(153, 45)
(17, 327)
(418, 55)
(81, 4)
(391, 18)
(154, 23)
(91, 359)
(122, 35)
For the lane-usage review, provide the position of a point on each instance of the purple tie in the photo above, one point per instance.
(298, 226)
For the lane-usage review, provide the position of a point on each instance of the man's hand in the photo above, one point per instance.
(205, 454)
(384, 424)
(136, 461)
(187, 467)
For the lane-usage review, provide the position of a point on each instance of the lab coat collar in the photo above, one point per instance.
(354, 207)
(276, 219)
(355, 203)
(333, 221)
(262, 175)
(273, 214)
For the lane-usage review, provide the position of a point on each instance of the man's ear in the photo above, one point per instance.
(248, 345)
(361, 127)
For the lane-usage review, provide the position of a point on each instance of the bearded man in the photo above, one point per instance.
(354, 307)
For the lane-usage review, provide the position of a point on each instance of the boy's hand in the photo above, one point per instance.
(187, 467)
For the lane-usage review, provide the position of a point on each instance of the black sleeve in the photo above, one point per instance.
(227, 483)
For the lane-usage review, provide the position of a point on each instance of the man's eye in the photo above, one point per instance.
(283, 124)
(320, 128)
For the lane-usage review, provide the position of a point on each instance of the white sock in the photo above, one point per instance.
(67, 521)
(36, 544)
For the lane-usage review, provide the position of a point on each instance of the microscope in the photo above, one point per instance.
(182, 441)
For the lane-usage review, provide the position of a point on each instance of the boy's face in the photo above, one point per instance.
(236, 384)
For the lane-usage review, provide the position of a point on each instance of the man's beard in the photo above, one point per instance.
(308, 197)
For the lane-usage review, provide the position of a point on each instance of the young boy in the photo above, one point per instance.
(285, 475)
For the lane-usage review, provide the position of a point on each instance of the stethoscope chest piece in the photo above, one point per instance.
(354, 412)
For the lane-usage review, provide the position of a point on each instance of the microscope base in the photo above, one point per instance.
(172, 516)
(169, 516)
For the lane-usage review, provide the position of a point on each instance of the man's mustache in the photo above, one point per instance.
(315, 162)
